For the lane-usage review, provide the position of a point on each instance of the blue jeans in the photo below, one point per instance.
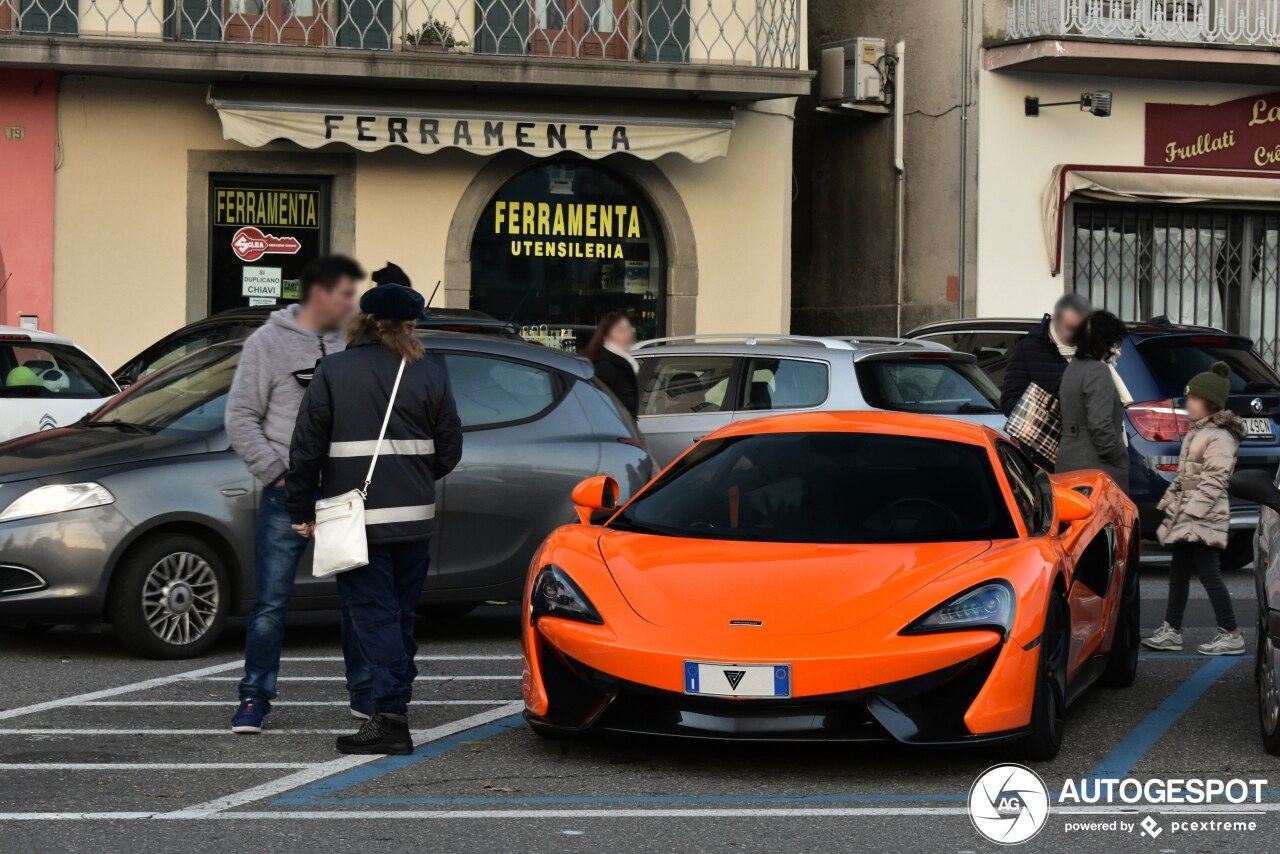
(381, 598)
(278, 548)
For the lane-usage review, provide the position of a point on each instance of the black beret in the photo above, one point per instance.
(392, 302)
(391, 275)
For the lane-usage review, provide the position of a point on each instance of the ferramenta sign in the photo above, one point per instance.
(1239, 134)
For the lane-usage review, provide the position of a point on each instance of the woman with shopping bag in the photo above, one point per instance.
(377, 428)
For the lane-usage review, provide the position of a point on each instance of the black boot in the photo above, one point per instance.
(382, 733)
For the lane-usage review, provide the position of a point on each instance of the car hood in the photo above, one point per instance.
(791, 589)
(70, 449)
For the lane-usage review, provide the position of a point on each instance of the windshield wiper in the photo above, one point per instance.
(125, 426)
(974, 409)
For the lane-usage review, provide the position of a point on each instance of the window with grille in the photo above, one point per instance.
(1208, 266)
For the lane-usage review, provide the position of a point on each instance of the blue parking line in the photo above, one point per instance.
(1120, 761)
(321, 790)
(638, 800)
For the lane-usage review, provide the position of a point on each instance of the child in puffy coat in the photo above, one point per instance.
(1197, 512)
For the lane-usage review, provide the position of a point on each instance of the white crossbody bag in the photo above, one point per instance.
(340, 539)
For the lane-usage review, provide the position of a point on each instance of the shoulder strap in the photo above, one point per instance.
(377, 448)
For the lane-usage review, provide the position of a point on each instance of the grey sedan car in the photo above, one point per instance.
(692, 385)
(142, 515)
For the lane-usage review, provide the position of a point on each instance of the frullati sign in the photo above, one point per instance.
(1239, 134)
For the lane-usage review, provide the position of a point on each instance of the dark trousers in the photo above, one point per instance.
(1206, 562)
(381, 598)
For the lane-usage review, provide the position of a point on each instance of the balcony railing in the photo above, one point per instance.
(759, 33)
(1218, 22)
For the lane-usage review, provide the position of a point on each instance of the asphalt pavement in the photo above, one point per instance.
(103, 752)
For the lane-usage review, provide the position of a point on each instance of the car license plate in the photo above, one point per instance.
(714, 679)
(1257, 426)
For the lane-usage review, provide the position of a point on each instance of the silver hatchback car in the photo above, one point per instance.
(143, 516)
(692, 385)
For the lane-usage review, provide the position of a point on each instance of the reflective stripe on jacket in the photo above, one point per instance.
(337, 431)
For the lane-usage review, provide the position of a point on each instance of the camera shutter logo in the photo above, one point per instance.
(1009, 804)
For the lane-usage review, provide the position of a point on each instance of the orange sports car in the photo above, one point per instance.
(849, 576)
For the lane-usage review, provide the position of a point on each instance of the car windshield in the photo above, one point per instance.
(825, 488)
(188, 398)
(1173, 361)
(927, 384)
(38, 369)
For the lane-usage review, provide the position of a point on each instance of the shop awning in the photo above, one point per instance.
(373, 121)
(1147, 184)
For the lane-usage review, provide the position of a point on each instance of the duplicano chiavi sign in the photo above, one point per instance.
(1240, 134)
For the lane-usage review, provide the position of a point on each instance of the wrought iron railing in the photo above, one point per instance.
(761, 33)
(1224, 22)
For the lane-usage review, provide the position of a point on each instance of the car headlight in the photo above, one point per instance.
(57, 498)
(990, 605)
(555, 595)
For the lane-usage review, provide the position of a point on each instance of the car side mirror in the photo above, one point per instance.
(1070, 505)
(593, 495)
(1257, 486)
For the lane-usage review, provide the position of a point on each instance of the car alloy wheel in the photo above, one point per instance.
(180, 598)
(1268, 695)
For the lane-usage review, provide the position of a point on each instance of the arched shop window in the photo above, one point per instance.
(561, 244)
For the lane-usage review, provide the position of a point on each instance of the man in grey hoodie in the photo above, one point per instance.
(275, 367)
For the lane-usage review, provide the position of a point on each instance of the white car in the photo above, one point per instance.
(46, 381)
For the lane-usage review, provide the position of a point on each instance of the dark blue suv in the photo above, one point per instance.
(1158, 359)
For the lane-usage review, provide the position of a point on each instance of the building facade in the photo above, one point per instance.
(544, 160)
(1168, 206)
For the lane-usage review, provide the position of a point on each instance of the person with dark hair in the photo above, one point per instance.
(610, 352)
(383, 374)
(1093, 399)
(1041, 356)
(276, 363)
(1197, 514)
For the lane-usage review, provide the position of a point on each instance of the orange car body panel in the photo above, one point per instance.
(833, 612)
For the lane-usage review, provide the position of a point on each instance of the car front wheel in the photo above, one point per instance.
(1049, 702)
(1268, 692)
(170, 597)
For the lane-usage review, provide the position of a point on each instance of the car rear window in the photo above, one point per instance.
(1175, 360)
(34, 369)
(928, 385)
(825, 488)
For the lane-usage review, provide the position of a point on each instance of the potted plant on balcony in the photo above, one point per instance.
(433, 37)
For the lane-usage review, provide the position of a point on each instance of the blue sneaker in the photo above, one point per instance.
(361, 709)
(249, 716)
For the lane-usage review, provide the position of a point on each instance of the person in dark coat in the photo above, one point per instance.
(1043, 353)
(1093, 399)
(334, 439)
(610, 351)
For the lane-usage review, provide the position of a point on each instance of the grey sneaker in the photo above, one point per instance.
(1165, 638)
(1224, 643)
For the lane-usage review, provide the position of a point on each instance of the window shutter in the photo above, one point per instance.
(366, 24)
(666, 28)
(502, 26)
(55, 17)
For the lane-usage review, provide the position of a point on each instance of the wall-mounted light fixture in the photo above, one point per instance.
(1098, 103)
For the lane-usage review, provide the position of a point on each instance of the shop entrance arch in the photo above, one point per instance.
(553, 245)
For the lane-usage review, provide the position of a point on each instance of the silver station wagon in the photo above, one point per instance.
(692, 385)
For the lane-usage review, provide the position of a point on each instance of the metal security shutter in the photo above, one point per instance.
(50, 17)
(365, 24)
(666, 30)
(502, 26)
(1214, 267)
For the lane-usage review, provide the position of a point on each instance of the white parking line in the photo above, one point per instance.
(275, 704)
(162, 732)
(152, 766)
(337, 766)
(490, 814)
(419, 658)
(343, 678)
(144, 685)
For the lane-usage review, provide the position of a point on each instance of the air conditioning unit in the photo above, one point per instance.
(851, 76)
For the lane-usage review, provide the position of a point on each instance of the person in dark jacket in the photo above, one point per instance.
(1093, 399)
(1043, 353)
(335, 436)
(610, 351)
